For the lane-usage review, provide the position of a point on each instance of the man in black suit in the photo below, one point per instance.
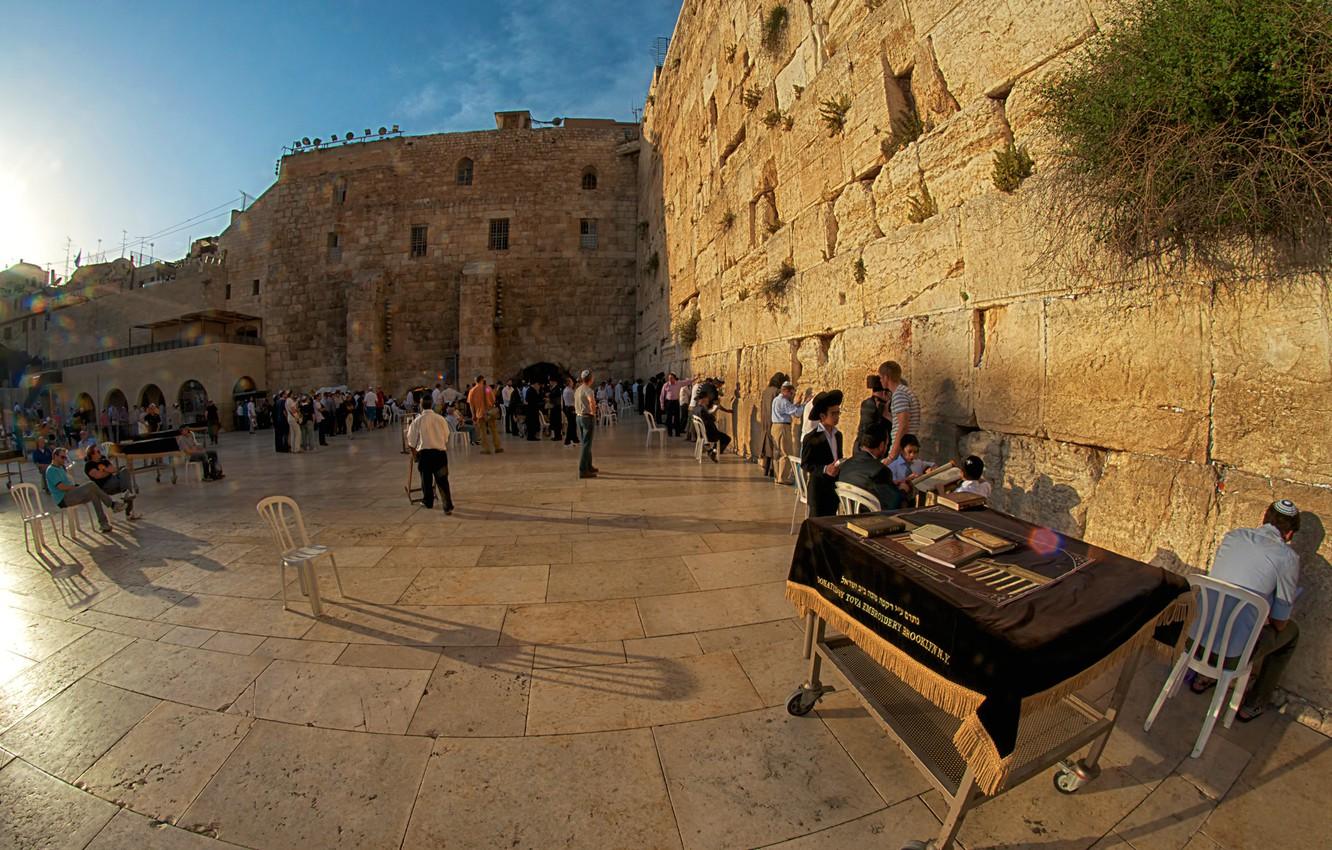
(532, 400)
(872, 408)
(865, 468)
(821, 453)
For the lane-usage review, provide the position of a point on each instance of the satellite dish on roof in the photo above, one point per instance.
(334, 137)
(305, 141)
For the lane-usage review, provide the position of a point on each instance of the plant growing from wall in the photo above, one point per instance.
(774, 26)
(921, 207)
(797, 91)
(730, 52)
(751, 96)
(775, 285)
(788, 122)
(858, 270)
(653, 262)
(727, 220)
(1194, 129)
(833, 113)
(686, 328)
(772, 118)
(905, 129)
(1012, 165)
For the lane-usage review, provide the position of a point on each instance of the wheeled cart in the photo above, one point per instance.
(1046, 739)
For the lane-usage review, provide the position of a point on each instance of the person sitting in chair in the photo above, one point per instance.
(865, 468)
(198, 454)
(67, 495)
(706, 411)
(103, 473)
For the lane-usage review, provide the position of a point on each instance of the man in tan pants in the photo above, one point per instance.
(784, 409)
(484, 415)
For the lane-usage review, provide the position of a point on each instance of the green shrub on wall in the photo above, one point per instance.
(1196, 128)
(686, 328)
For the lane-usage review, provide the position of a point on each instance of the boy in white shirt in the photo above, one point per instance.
(973, 477)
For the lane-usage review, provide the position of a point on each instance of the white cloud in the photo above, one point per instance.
(422, 103)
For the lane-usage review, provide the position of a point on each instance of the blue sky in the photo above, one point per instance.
(138, 116)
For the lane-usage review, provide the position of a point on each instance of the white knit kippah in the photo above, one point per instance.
(1286, 507)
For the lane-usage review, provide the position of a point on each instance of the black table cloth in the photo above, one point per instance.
(982, 655)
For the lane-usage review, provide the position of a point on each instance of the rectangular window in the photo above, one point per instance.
(256, 288)
(340, 192)
(418, 240)
(499, 234)
(334, 248)
(228, 292)
(587, 234)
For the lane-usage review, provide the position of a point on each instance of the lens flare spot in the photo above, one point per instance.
(1045, 541)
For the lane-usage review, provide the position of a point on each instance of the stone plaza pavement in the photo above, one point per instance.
(561, 663)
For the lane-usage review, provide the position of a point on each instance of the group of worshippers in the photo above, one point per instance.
(299, 419)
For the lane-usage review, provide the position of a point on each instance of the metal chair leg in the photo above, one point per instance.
(336, 575)
(285, 607)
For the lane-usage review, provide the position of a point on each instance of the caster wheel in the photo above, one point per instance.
(801, 702)
(1067, 782)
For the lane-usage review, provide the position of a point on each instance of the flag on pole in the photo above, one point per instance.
(77, 258)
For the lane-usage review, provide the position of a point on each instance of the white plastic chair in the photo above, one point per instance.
(654, 430)
(69, 520)
(281, 513)
(459, 440)
(852, 500)
(801, 490)
(701, 444)
(29, 500)
(1206, 656)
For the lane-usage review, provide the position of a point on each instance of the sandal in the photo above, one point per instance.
(1201, 684)
(1248, 712)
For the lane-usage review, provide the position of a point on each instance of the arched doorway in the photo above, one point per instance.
(544, 372)
(118, 414)
(192, 400)
(151, 394)
(86, 411)
(117, 399)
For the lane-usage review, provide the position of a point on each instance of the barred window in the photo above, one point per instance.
(255, 290)
(418, 240)
(499, 234)
(464, 172)
(589, 178)
(587, 234)
(228, 296)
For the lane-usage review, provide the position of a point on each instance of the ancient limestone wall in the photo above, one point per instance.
(1147, 418)
(367, 312)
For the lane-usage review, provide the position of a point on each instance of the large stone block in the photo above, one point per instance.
(827, 296)
(941, 367)
(1156, 510)
(914, 270)
(1006, 247)
(1129, 371)
(1242, 505)
(957, 156)
(1043, 481)
(934, 102)
(856, 220)
(897, 181)
(1273, 362)
(1010, 367)
(983, 46)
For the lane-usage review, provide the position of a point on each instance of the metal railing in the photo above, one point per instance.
(151, 347)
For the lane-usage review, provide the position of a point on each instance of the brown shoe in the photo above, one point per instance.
(587, 475)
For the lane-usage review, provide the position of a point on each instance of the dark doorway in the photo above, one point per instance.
(544, 372)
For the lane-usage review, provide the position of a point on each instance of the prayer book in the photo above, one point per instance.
(937, 477)
(989, 543)
(961, 501)
(930, 533)
(875, 526)
(950, 553)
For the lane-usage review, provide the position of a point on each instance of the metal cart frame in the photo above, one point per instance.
(1046, 739)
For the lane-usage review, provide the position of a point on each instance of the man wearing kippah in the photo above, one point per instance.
(1261, 560)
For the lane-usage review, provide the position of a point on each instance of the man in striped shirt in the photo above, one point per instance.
(903, 408)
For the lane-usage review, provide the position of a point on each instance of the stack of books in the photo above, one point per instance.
(875, 526)
(991, 544)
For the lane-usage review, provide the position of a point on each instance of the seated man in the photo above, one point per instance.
(66, 495)
(1261, 560)
(103, 473)
(908, 466)
(865, 468)
(706, 410)
(457, 423)
(198, 454)
(86, 442)
(41, 457)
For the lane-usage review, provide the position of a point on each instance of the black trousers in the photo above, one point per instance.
(433, 464)
(570, 426)
(674, 424)
(556, 421)
(533, 423)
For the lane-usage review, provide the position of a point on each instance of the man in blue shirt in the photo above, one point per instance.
(66, 495)
(784, 410)
(1261, 560)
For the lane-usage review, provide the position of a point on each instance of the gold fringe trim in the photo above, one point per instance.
(972, 741)
(949, 696)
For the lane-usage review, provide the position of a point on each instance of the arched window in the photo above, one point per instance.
(589, 178)
(464, 172)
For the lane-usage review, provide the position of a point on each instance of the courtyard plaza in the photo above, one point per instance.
(560, 663)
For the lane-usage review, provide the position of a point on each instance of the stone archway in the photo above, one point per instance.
(192, 398)
(151, 394)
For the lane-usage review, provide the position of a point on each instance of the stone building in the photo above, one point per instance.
(394, 262)
(1146, 418)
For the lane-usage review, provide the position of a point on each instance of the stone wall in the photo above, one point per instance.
(1148, 418)
(365, 311)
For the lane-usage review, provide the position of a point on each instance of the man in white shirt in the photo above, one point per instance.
(252, 415)
(1261, 560)
(437, 398)
(585, 405)
(567, 411)
(428, 438)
